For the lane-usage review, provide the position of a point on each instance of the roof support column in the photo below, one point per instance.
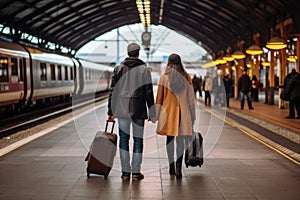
(256, 66)
(238, 72)
(283, 61)
(298, 52)
(282, 74)
(272, 82)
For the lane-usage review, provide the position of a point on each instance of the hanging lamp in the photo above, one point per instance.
(254, 50)
(276, 43)
(238, 55)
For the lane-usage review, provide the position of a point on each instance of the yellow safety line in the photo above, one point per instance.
(271, 147)
(256, 138)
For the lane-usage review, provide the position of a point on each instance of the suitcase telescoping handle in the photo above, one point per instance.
(112, 128)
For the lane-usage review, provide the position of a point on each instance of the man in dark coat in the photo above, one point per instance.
(292, 104)
(197, 82)
(195, 85)
(293, 92)
(218, 89)
(131, 93)
(228, 83)
(244, 87)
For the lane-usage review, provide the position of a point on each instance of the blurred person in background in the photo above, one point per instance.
(244, 86)
(207, 87)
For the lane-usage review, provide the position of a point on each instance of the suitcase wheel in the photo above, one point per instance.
(88, 175)
(105, 177)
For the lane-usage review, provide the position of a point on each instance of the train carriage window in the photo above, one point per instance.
(86, 74)
(66, 73)
(43, 67)
(3, 69)
(94, 75)
(52, 70)
(59, 74)
(14, 70)
(72, 73)
(22, 66)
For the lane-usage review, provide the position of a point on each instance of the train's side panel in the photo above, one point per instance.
(95, 77)
(28, 75)
(76, 76)
(53, 76)
(14, 64)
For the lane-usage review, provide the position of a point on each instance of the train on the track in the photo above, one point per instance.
(29, 77)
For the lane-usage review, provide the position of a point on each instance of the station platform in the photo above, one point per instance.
(236, 166)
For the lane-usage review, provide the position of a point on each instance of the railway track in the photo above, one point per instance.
(26, 120)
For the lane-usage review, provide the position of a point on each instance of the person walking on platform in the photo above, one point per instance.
(196, 86)
(200, 86)
(175, 111)
(228, 83)
(207, 87)
(244, 86)
(293, 92)
(254, 89)
(218, 89)
(130, 95)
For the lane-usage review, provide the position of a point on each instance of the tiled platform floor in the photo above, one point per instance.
(236, 167)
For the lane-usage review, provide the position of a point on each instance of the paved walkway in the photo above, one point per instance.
(236, 167)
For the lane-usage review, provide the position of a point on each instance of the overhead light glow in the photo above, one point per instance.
(265, 63)
(144, 9)
(292, 58)
(228, 57)
(276, 43)
(209, 64)
(220, 61)
(254, 50)
(238, 55)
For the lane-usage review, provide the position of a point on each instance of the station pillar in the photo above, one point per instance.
(256, 66)
(238, 73)
(298, 53)
(271, 92)
(282, 74)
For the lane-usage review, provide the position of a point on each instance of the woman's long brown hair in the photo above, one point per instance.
(177, 75)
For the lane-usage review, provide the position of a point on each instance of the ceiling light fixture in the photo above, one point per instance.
(265, 63)
(144, 9)
(238, 55)
(292, 59)
(254, 50)
(228, 57)
(276, 43)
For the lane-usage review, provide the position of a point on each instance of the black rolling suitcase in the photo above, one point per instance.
(102, 152)
(194, 151)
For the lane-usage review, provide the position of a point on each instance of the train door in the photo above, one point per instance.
(23, 78)
(17, 77)
(4, 74)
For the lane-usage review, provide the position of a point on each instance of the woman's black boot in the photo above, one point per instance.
(179, 167)
(172, 168)
(170, 152)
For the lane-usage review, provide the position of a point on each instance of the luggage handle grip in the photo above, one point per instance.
(112, 128)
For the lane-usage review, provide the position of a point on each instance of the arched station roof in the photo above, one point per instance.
(217, 24)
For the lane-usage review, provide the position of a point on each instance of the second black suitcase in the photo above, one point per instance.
(194, 151)
(102, 153)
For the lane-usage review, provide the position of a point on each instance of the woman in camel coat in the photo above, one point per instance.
(175, 110)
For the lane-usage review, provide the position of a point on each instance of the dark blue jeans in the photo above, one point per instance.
(124, 133)
(242, 96)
